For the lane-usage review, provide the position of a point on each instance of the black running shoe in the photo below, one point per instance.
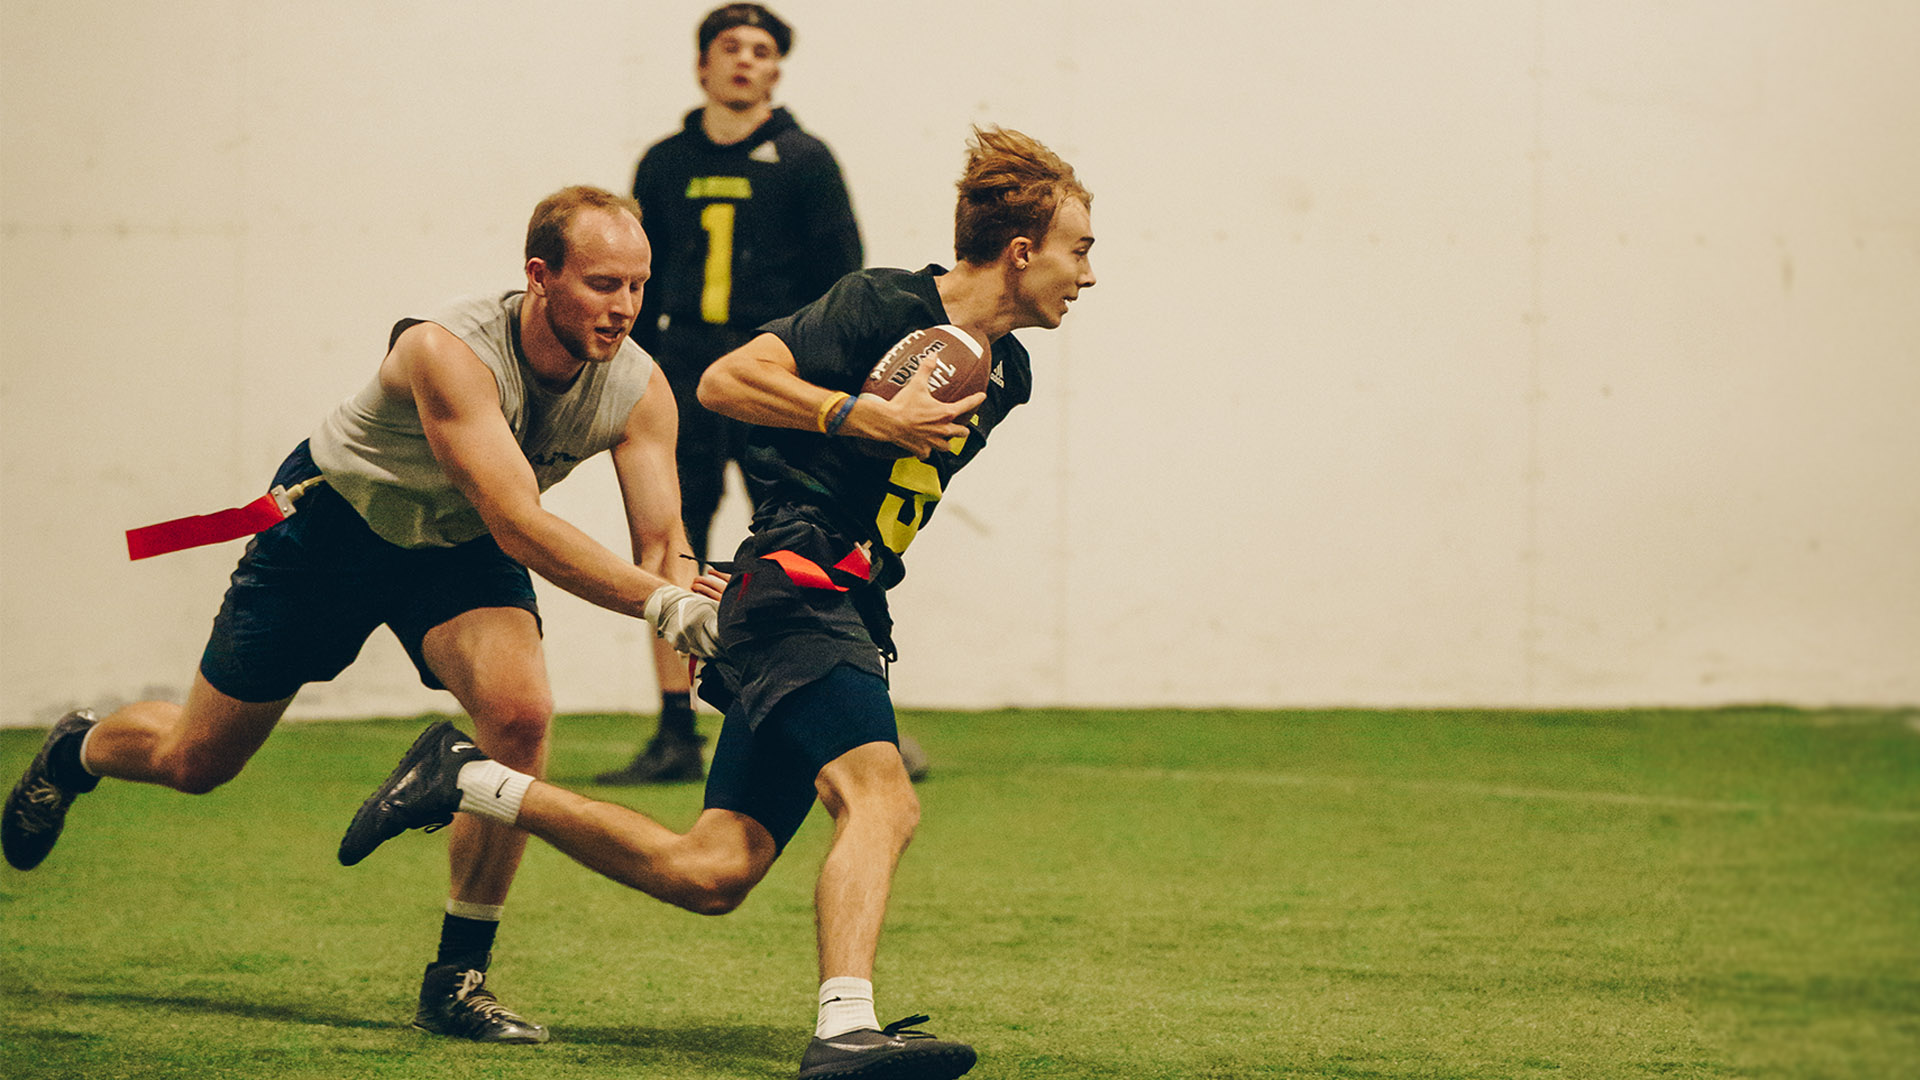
(422, 792)
(37, 807)
(668, 759)
(454, 1000)
(892, 1053)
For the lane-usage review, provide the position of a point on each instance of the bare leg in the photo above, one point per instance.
(671, 669)
(709, 870)
(492, 662)
(874, 813)
(192, 749)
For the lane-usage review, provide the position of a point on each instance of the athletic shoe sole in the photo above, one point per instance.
(942, 1064)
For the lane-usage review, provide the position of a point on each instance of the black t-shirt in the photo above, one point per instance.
(835, 342)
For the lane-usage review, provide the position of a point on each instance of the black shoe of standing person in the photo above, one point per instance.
(422, 792)
(891, 1053)
(670, 758)
(914, 757)
(36, 809)
(455, 1001)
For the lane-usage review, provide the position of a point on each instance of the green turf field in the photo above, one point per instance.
(1126, 895)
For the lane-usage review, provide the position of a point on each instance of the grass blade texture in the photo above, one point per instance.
(1137, 895)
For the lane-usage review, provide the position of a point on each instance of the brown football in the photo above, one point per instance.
(957, 365)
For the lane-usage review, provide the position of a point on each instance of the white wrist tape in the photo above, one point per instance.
(688, 622)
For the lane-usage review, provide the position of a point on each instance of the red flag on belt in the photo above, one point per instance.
(200, 530)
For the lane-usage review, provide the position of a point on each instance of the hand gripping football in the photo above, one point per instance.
(956, 367)
(956, 364)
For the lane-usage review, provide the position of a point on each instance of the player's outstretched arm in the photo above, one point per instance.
(760, 384)
(459, 406)
(684, 612)
(643, 461)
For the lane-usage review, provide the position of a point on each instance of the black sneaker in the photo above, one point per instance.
(892, 1053)
(454, 1000)
(422, 792)
(37, 807)
(668, 759)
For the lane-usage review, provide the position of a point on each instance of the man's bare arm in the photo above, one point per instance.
(459, 407)
(760, 383)
(650, 485)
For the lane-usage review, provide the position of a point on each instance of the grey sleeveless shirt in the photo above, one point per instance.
(373, 451)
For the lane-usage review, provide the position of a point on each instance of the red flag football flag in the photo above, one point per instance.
(200, 530)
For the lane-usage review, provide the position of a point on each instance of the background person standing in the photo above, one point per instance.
(749, 220)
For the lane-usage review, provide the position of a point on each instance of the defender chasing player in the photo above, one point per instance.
(427, 521)
(804, 629)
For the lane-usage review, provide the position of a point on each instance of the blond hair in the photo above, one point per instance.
(547, 231)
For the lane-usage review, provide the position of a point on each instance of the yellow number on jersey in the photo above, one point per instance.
(716, 299)
(901, 516)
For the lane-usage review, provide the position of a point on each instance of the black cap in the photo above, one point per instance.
(723, 19)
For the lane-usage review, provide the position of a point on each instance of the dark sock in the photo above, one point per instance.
(466, 941)
(63, 764)
(676, 715)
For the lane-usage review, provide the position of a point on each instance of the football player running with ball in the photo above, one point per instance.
(804, 631)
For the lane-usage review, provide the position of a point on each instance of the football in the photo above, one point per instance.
(957, 365)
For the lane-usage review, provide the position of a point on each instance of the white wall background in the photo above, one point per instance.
(1526, 352)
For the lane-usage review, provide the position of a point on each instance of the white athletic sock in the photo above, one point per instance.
(84, 740)
(483, 912)
(846, 1004)
(492, 790)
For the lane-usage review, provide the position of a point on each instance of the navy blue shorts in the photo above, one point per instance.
(310, 591)
(767, 772)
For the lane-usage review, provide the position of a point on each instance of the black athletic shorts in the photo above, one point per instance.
(309, 591)
(767, 772)
(799, 605)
